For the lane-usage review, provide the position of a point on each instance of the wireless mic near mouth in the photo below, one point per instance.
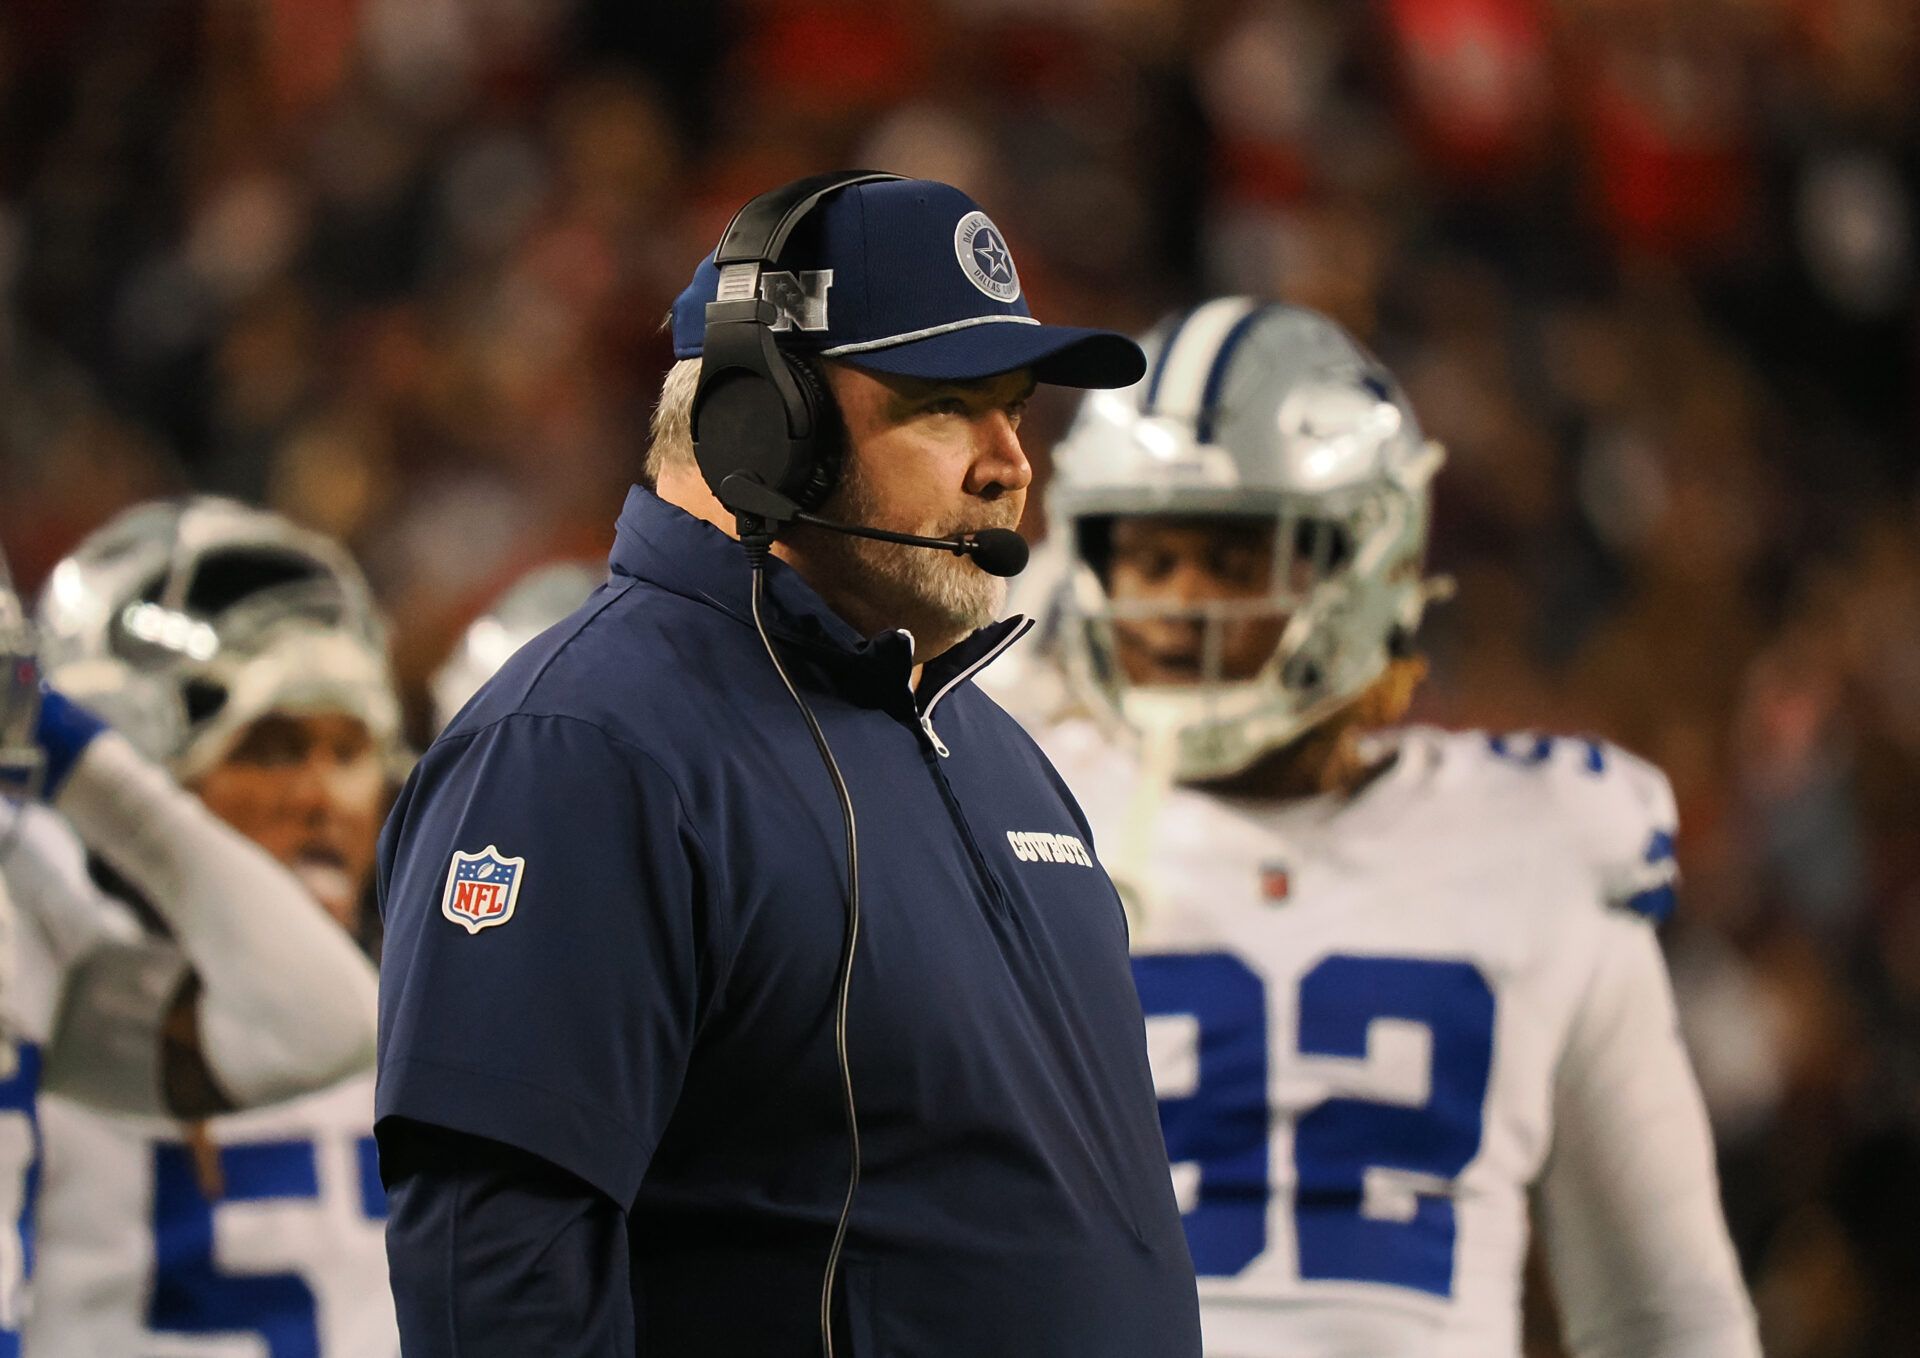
(997, 551)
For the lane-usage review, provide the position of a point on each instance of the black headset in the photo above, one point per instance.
(766, 433)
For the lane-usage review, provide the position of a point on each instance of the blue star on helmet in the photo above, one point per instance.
(992, 254)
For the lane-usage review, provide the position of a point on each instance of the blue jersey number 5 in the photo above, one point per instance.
(191, 1293)
(1224, 1124)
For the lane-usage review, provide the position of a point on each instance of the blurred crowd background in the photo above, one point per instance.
(398, 267)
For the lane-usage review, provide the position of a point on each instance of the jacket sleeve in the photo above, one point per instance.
(496, 1253)
(1629, 1201)
(545, 958)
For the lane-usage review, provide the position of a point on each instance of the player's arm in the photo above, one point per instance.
(533, 1046)
(1629, 1201)
(279, 999)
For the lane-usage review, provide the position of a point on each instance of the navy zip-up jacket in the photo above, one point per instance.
(614, 900)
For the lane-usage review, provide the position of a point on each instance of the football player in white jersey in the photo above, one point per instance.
(1402, 986)
(254, 996)
(246, 655)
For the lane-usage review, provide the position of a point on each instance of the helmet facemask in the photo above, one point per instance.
(287, 651)
(1252, 672)
(1260, 411)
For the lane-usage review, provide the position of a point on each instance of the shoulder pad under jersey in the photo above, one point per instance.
(1617, 808)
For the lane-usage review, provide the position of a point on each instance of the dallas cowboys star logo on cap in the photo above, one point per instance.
(991, 251)
(984, 257)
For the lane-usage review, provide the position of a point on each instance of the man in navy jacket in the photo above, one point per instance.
(610, 1103)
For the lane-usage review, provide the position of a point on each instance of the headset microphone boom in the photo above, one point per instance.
(997, 551)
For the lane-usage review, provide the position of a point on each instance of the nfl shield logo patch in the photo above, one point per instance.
(481, 889)
(1276, 883)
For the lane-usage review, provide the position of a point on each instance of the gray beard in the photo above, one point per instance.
(929, 593)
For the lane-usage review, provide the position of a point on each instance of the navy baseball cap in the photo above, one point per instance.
(909, 276)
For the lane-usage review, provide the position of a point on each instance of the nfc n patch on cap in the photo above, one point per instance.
(984, 257)
(481, 888)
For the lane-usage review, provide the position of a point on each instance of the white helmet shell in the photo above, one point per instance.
(525, 609)
(183, 621)
(1252, 410)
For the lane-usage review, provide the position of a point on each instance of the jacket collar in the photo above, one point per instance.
(664, 545)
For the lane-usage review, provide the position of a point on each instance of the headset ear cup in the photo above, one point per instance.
(814, 477)
(749, 401)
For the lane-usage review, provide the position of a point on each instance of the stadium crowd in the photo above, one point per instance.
(397, 269)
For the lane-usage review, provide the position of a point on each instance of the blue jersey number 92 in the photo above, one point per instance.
(1223, 1125)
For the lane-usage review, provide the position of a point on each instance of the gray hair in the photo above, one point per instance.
(672, 444)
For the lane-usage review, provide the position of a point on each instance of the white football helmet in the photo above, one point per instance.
(525, 609)
(1251, 410)
(183, 621)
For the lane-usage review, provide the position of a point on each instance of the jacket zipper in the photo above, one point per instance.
(996, 893)
(926, 716)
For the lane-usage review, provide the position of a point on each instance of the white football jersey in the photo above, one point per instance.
(1380, 1025)
(282, 1254)
(54, 918)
